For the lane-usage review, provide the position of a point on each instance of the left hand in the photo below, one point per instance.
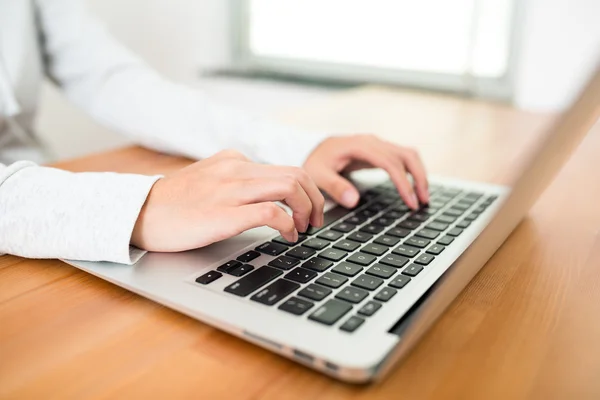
(343, 154)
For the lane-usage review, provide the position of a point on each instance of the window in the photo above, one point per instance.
(459, 45)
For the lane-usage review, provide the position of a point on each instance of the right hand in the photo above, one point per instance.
(223, 196)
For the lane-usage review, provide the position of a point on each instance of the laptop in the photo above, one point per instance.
(352, 298)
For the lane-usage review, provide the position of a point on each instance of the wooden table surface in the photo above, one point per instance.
(527, 327)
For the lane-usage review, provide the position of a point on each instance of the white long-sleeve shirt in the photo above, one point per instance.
(47, 213)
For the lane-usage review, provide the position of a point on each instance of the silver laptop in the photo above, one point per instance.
(352, 298)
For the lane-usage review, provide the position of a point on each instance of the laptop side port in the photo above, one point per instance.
(305, 358)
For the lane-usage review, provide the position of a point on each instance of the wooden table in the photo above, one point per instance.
(527, 327)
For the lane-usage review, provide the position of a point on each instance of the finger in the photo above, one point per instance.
(262, 214)
(282, 188)
(309, 186)
(339, 188)
(414, 166)
(381, 157)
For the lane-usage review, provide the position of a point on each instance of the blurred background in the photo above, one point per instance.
(268, 56)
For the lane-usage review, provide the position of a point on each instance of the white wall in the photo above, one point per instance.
(560, 48)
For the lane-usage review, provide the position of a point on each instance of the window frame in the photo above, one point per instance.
(244, 61)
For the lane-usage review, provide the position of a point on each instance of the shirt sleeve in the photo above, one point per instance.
(50, 213)
(121, 92)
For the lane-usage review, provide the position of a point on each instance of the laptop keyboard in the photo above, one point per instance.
(358, 260)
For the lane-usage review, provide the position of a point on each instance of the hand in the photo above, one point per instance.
(337, 155)
(223, 196)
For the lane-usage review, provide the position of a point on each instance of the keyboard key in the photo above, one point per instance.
(272, 249)
(317, 264)
(419, 217)
(333, 254)
(479, 209)
(352, 294)
(367, 213)
(360, 237)
(409, 224)
(453, 212)
(347, 245)
(284, 262)
(370, 308)
(463, 224)
(300, 252)
(383, 221)
(437, 203)
(361, 258)
(254, 280)
(374, 249)
(418, 242)
(473, 195)
(412, 270)
(394, 260)
(385, 294)
(315, 292)
(352, 324)
(382, 271)
(329, 218)
(454, 232)
(385, 240)
(315, 243)
(378, 206)
(301, 275)
(296, 306)
(330, 312)
(275, 292)
(332, 280)
(435, 249)
(355, 219)
(394, 214)
(280, 239)
(446, 219)
(330, 235)
(248, 256)
(424, 259)
(399, 281)
(343, 227)
(347, 269)
(241, 270)
(367, 282)
(471, 217)
(427, 233)
(446, 240)
(208, 277)
(372, 229)
(400, 207)
(229, 266)
(406, 250)
(461, 206)
(398, 232)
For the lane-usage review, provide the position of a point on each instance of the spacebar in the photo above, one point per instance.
(252, 281)
(330, 217)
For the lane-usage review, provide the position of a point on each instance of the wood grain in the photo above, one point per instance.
(527, 327)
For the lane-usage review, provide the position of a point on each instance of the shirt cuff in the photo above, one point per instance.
(51, 213)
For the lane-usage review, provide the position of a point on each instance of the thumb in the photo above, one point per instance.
(339, 188)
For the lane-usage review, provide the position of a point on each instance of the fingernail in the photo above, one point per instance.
(415, 201)
(306, 226)
(295, 236)
(349, 198)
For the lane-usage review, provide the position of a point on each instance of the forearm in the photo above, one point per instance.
(177, 119)
(120, 91)
(49, 213)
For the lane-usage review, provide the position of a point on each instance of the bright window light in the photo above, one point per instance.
(439, 36)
